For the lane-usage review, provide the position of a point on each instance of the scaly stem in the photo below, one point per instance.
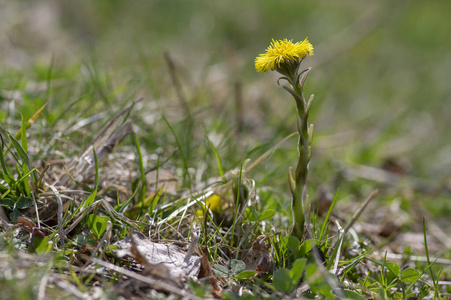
(301, 172)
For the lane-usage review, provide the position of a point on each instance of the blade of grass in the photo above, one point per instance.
(142, 194)
(20, 150)
(187, 176)
(218, 158)
(90, 200)
(120, 208)
(26, 183)
(326, 220)
(421, 274)
(6, 170)
(427, 257)
(17, 182)
(29, 122)
(237, 202)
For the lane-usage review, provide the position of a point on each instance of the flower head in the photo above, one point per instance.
(282, 52)
(213, 203)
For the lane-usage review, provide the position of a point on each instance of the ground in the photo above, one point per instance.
(193, 146)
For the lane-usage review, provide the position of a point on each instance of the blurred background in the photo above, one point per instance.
(380, 75)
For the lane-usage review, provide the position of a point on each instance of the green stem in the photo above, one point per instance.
(301, 173)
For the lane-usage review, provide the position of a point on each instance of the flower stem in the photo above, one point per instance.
(301, 172)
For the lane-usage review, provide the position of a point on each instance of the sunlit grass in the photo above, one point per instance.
(380, 123)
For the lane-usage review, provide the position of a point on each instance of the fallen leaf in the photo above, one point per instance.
(206, 271)
(166, 260)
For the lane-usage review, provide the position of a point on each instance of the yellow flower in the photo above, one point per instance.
(213, 203)
(282, 52)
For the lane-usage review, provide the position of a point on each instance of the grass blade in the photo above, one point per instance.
(218, 158)
(187, 176)
(427, 257)
(142, 195)
(6, 170)
(326, 220)
(90, 200)
(25, 168)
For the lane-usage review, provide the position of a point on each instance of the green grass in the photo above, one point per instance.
(379, 79)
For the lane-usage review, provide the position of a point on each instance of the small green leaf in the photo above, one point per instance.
(306, 247)
(282, 280)
(266, 214)
(41, 245)
(292, 243)
(16, 213)
(221, 271)
(394, 268)
(318, 283)
(409, 275)
(245, 274)
(297, 269)
(7, 203)
(24, 202)
(236, 266)
(251, 213)
(81, 240)
(97, 224)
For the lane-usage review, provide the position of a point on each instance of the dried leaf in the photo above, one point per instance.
(29, 225)
(206, 271)
(151, 254)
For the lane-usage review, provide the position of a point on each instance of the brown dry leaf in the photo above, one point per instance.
(29, 225)
(163, 260)
(258, 258)
(206, 271)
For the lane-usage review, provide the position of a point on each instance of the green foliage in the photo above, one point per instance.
(380, 77)
(90, 200)
(285, 280)
(15, 189)
(198, 289)
(234, 268)
(41, 245)
(97, 224)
